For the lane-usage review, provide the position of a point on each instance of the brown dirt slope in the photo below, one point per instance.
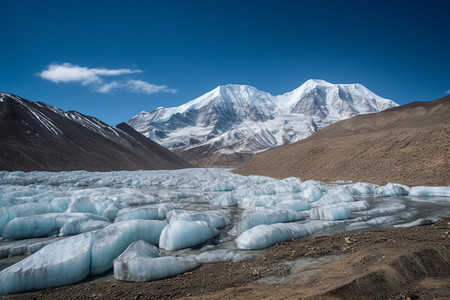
(409, 144)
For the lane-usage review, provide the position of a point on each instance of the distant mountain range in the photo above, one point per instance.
(409, 144)
(228, 125)
(38, 136)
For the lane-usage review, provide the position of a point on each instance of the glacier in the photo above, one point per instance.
(53, 223)
(266, 215)
(181, 234)
(143, 262)
(73, 259)
(49, 266)
(72, 225)
(114, 239)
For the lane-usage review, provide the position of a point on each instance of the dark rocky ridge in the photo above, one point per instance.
(38, 137)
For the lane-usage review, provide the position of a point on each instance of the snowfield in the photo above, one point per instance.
(149, 225)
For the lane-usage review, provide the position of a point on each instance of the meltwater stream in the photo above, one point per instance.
(60, 228)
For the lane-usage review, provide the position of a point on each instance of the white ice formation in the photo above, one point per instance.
(75, 224)
(143, 262)
(183, 234)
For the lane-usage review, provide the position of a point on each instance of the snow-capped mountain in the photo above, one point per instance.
(38, 136)
(229, 124)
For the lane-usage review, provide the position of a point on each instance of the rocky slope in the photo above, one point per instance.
(409, 144)
(38, 136)
(229, 124)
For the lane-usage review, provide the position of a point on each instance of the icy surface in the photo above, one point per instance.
(183, 234)
(222, 255)
(264, 236)
(259, 215)
(424, 191)
(216, 218)
(391, 190)
(49, 267)
(143, 262)
(114, 239)
(330, 212)
(149, 212)
(199, 215)
(52, 224)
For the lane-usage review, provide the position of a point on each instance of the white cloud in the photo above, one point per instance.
(93, 77)
(140, 86)
(72, 73)
(109, 87)
(134, 86)
(448, 92)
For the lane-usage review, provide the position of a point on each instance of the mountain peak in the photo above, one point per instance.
(238, 90)
(240, 119)
(316, 82)
(234, 89)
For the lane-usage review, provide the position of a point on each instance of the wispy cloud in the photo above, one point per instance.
(72, 73)
(94, 77)
(140, 86)
(448, 92)
(134, 86)
(108, 87)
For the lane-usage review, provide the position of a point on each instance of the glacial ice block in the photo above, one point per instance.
(82, 204)
(23, 210)
(390, 190)
(143, 262)
(60, 263)
(47, 224)
(111, 241)
(386, 220)
(263, 236)
(329, 212)
(386, 208)
(216, 218)
(257, 201)
(259, 215)
(335, 195)
(111, 211)
(147, 212)
(221, 255)
(28, 227)
(82, 226)
(311, 192)
(364, 188)
(424, 191)
(226, 199)
(297, 205)
(183, 234)
(219, 186)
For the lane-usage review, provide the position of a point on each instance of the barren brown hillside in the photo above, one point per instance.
(409, 144)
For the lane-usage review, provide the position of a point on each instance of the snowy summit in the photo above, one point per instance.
(232, 122)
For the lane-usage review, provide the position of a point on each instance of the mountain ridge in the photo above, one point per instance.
(211, 129)
(39, 136)
(408, 144)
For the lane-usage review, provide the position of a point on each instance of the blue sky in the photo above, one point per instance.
(113, 59)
